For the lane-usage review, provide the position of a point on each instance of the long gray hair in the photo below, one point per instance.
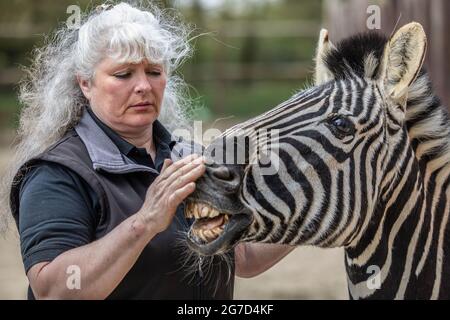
(51, 99)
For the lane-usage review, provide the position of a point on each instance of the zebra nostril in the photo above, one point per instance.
(222, 173)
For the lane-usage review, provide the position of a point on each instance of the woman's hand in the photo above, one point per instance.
(169, 189)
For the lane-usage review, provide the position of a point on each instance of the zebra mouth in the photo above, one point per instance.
(209, 222)
(213, 231)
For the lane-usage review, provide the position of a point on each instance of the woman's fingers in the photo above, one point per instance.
(177, 179)
(189, 176)
(173, 185)
(180, 194)
(166, 164)
(185, 170)
(177, 165)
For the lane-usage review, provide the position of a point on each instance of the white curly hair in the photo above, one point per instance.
(51, 98)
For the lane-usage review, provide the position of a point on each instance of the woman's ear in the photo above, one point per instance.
(85, 86)
(402, 60)
(322, 74)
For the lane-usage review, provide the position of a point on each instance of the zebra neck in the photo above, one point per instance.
(382, 250)
(428, 126)
(404, 251)
(408, 257)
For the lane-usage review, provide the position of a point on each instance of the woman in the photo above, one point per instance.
(95, 194)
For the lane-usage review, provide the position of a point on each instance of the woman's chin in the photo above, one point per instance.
(141, 120)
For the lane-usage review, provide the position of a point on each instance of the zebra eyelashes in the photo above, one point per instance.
(340, 125)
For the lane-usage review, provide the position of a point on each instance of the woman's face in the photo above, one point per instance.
(127, 97)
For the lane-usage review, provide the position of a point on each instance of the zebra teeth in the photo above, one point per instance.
(213, 213)
(204, 212)
(196, 212)
(189, 211)
(200, 211)
(208, 234)
(217, 231)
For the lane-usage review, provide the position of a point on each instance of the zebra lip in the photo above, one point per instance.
(231, 234)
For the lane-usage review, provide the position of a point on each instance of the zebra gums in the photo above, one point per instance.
(363, 162)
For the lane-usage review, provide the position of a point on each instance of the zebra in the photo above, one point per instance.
(363, 163)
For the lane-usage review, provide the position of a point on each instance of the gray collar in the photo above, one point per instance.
(103, 152)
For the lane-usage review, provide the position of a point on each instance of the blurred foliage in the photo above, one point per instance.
(250, 101)
(218, 71)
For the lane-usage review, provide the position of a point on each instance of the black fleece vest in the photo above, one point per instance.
(121, 188)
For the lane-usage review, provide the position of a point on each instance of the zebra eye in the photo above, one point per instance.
(341, 125)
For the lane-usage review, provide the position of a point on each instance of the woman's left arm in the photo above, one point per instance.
(252, 259)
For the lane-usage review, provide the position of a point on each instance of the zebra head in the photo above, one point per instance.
(314, 168)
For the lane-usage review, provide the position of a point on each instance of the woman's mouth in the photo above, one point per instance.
(142, 106)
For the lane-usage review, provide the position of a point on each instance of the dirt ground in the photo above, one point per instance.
(306, 273)
(13, 283)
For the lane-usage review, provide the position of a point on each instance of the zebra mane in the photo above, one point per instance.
(352, 56)
(427, 120)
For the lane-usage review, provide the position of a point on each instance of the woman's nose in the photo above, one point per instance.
(143, 84)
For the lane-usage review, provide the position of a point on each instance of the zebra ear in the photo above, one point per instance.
(322, 74)
(402, 60)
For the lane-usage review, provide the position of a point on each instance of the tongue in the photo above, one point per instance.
(210, 223)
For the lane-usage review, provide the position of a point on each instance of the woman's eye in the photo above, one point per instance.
(154, 73)
(122, 75)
